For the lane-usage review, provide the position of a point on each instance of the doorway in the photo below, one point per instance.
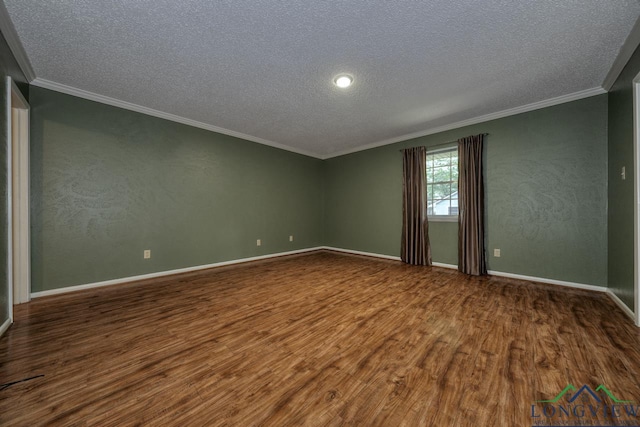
(19, 268)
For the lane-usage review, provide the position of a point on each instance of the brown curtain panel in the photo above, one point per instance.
(471, 255)
(415, 227)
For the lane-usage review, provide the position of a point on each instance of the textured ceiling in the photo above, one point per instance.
(264, 69)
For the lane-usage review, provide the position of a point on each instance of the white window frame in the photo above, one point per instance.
(442, 218)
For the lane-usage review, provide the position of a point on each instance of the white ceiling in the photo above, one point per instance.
(263, 70)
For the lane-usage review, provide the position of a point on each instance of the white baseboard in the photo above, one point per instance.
(164, 273)
(371, 254)
(622, 305)
(443, 265)
(374, 255)
(613, 296)
(491, 272)
(548, 281)
(5, 326)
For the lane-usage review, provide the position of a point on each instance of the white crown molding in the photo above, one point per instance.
(621, 304)
(5, 326)
(69, 90)
(626, 50)
(122, 280)
(480, 119)
(11, 36)
(91, 96)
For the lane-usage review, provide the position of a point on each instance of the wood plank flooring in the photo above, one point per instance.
(322, 339)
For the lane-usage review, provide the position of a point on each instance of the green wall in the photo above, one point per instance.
(546, 194)
(620, 239)
(108, 183)
(8, 67)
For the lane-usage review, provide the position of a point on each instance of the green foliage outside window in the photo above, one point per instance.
(442, 182)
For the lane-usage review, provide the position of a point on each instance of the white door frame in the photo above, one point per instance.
(19, 254)
(635, 87)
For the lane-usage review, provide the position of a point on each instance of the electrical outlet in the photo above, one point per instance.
(147, 253)
(291, 238)
(496, 253)
(259, 242)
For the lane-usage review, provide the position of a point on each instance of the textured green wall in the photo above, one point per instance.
(108, 183)
(620, 192)
(8, 67)
(546, 194)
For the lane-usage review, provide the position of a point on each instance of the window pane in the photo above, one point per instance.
(441, 207)
(442, 183)
(429, 175)
(442, 162)
(454, 172)
(441, 191)
(441, 174)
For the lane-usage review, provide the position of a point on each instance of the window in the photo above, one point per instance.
(442, 185)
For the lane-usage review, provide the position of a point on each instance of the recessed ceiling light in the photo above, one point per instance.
(343, 80)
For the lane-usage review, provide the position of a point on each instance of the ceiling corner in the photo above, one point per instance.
(11, 36)
(626, 50)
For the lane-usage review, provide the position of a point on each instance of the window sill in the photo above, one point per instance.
(443, 218)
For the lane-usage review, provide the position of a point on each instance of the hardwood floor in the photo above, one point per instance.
(321, 340)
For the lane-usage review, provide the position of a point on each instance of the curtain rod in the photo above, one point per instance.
(442, 143)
